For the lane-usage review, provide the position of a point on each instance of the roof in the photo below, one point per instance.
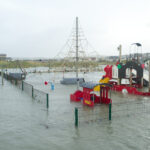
(71, 80)
(91, 85)
(3, 55)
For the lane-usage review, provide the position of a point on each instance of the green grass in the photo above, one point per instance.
(50, 64)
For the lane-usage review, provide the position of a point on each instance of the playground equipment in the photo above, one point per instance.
(105, 78)
(76, 50)
(71, 81)
(88, 95)
(124, 71)
(16, 74)
(132, 71)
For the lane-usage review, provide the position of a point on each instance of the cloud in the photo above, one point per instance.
(41, 27)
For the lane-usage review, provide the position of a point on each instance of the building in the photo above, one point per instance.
(3, 56)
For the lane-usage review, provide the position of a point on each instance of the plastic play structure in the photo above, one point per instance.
(124, 71)
(132, 71)
(107, 83)
(88, 95)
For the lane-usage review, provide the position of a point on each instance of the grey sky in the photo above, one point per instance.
(39, 28)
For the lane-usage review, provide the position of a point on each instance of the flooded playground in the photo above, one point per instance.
(26, 123)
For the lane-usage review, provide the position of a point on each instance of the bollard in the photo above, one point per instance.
(76, 117)
(22, 86)
(110, 111)
(47, 101)
(32, 92)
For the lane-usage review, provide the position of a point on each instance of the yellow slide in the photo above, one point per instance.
(105, 80)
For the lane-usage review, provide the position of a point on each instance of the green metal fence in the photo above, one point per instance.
(87, 115)
(27, 88)
(101, 113)
(130, 108)
(41, 96)
(38, 95)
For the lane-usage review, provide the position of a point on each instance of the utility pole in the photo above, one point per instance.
(149, 75)
(77, 48)
(130, 77)
(120, 50)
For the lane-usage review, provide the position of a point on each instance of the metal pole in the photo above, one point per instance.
(32, 92)
(119, 81)
(76, 117)
(47, 101)
(142, 82)
(16, 82)
(22, 86)
(77, 48)
(100, 92)
(2, 77)
(110, 111)
(130, 77)
(110, 93)
(149, 75)
(120, 50)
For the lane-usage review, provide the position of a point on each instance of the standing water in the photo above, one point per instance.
(26, 124)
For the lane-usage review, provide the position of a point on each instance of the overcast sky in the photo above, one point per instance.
(40, 28)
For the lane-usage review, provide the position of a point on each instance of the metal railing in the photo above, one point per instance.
(39, 95)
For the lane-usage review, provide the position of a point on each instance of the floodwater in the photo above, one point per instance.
(26, 124)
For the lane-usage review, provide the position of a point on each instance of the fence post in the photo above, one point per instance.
(2, 74)
(32, 92)
(47, 101)
(22, 86)
(15, 82)
(110, 111)
(76, 117)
